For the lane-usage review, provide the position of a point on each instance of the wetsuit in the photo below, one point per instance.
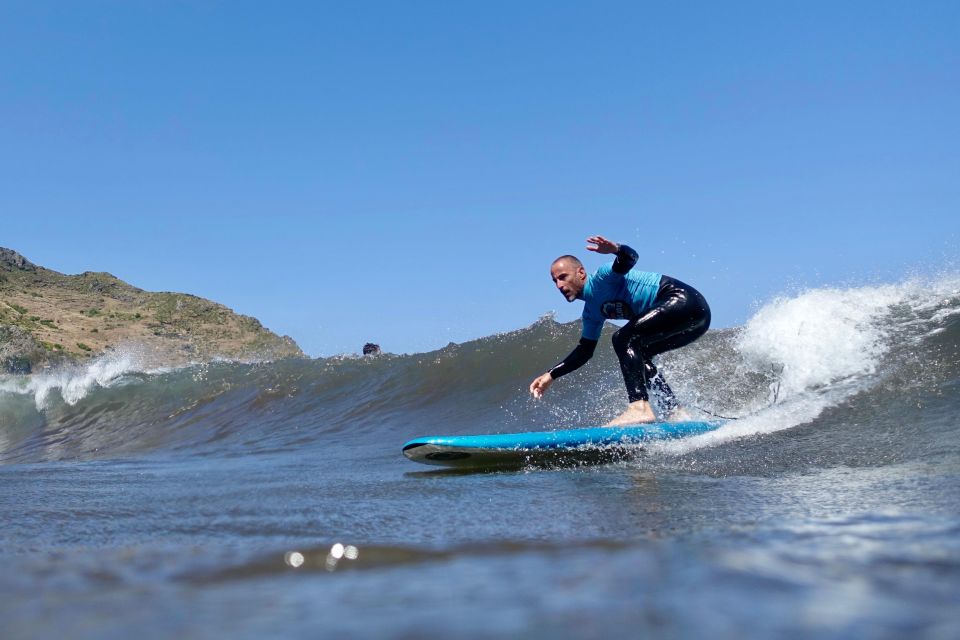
(662, 314)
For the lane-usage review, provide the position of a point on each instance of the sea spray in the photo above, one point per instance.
(74, 382)
(825, 346)
(821, 348)
(820, 336)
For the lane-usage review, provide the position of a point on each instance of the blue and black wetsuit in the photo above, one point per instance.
(662, 314)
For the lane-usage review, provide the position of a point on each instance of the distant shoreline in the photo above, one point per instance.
(48, 318)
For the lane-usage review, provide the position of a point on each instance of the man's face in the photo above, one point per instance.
(569, 279)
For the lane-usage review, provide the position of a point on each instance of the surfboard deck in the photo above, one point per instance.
(586, 445)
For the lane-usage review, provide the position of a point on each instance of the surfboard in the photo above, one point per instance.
(591, 444)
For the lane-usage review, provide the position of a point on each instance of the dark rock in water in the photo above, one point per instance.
(15, 342)
(17, 365)
(17, 347)
(371, 349)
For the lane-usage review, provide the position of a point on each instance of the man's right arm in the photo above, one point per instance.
(577, 358)
(581, 353)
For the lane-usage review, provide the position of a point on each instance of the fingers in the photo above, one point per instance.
(602, 245)
(536, 389)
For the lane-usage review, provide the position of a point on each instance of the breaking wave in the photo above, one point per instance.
(837, 361)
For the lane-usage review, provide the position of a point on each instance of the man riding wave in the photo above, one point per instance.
(662, 314)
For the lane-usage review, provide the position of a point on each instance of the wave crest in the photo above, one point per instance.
(796, 357)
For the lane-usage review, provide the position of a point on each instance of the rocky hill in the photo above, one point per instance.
(48, 318)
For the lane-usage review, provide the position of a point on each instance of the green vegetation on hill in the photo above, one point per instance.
(47, 318)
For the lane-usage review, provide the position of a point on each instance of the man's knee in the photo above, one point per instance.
(621, 342)
(627, 342)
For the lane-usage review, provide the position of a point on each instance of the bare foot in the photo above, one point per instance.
(638, 412)
(679, 415)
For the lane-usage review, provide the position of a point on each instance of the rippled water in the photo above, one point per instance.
(272, 500)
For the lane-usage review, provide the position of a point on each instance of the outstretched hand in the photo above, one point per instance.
(602, 245)
(539, 386)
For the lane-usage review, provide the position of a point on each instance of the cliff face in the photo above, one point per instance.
(47, 318)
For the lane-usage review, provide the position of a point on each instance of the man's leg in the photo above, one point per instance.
(680, 317)
(634, 368)
(668, 399)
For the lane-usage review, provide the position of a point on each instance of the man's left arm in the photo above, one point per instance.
(626, 257)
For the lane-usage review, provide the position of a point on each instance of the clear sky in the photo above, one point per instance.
(404, 172)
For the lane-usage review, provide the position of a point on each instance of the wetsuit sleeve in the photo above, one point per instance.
(577, 358)
(626, 259)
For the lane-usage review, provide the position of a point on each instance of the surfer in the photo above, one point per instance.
(662, 314)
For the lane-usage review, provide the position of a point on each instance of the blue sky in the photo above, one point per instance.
(404, 172)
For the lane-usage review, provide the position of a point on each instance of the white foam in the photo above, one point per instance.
(819, 337)
(75, 382)
(785, 415)
(826, 345)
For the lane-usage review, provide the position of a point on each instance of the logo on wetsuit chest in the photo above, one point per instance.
(616, 310)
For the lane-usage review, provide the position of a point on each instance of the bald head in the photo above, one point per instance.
(568, 276)
(572, 261)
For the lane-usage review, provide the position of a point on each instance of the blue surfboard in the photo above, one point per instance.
(590, 444)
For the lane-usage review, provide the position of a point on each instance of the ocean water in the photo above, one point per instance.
(271, 500)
